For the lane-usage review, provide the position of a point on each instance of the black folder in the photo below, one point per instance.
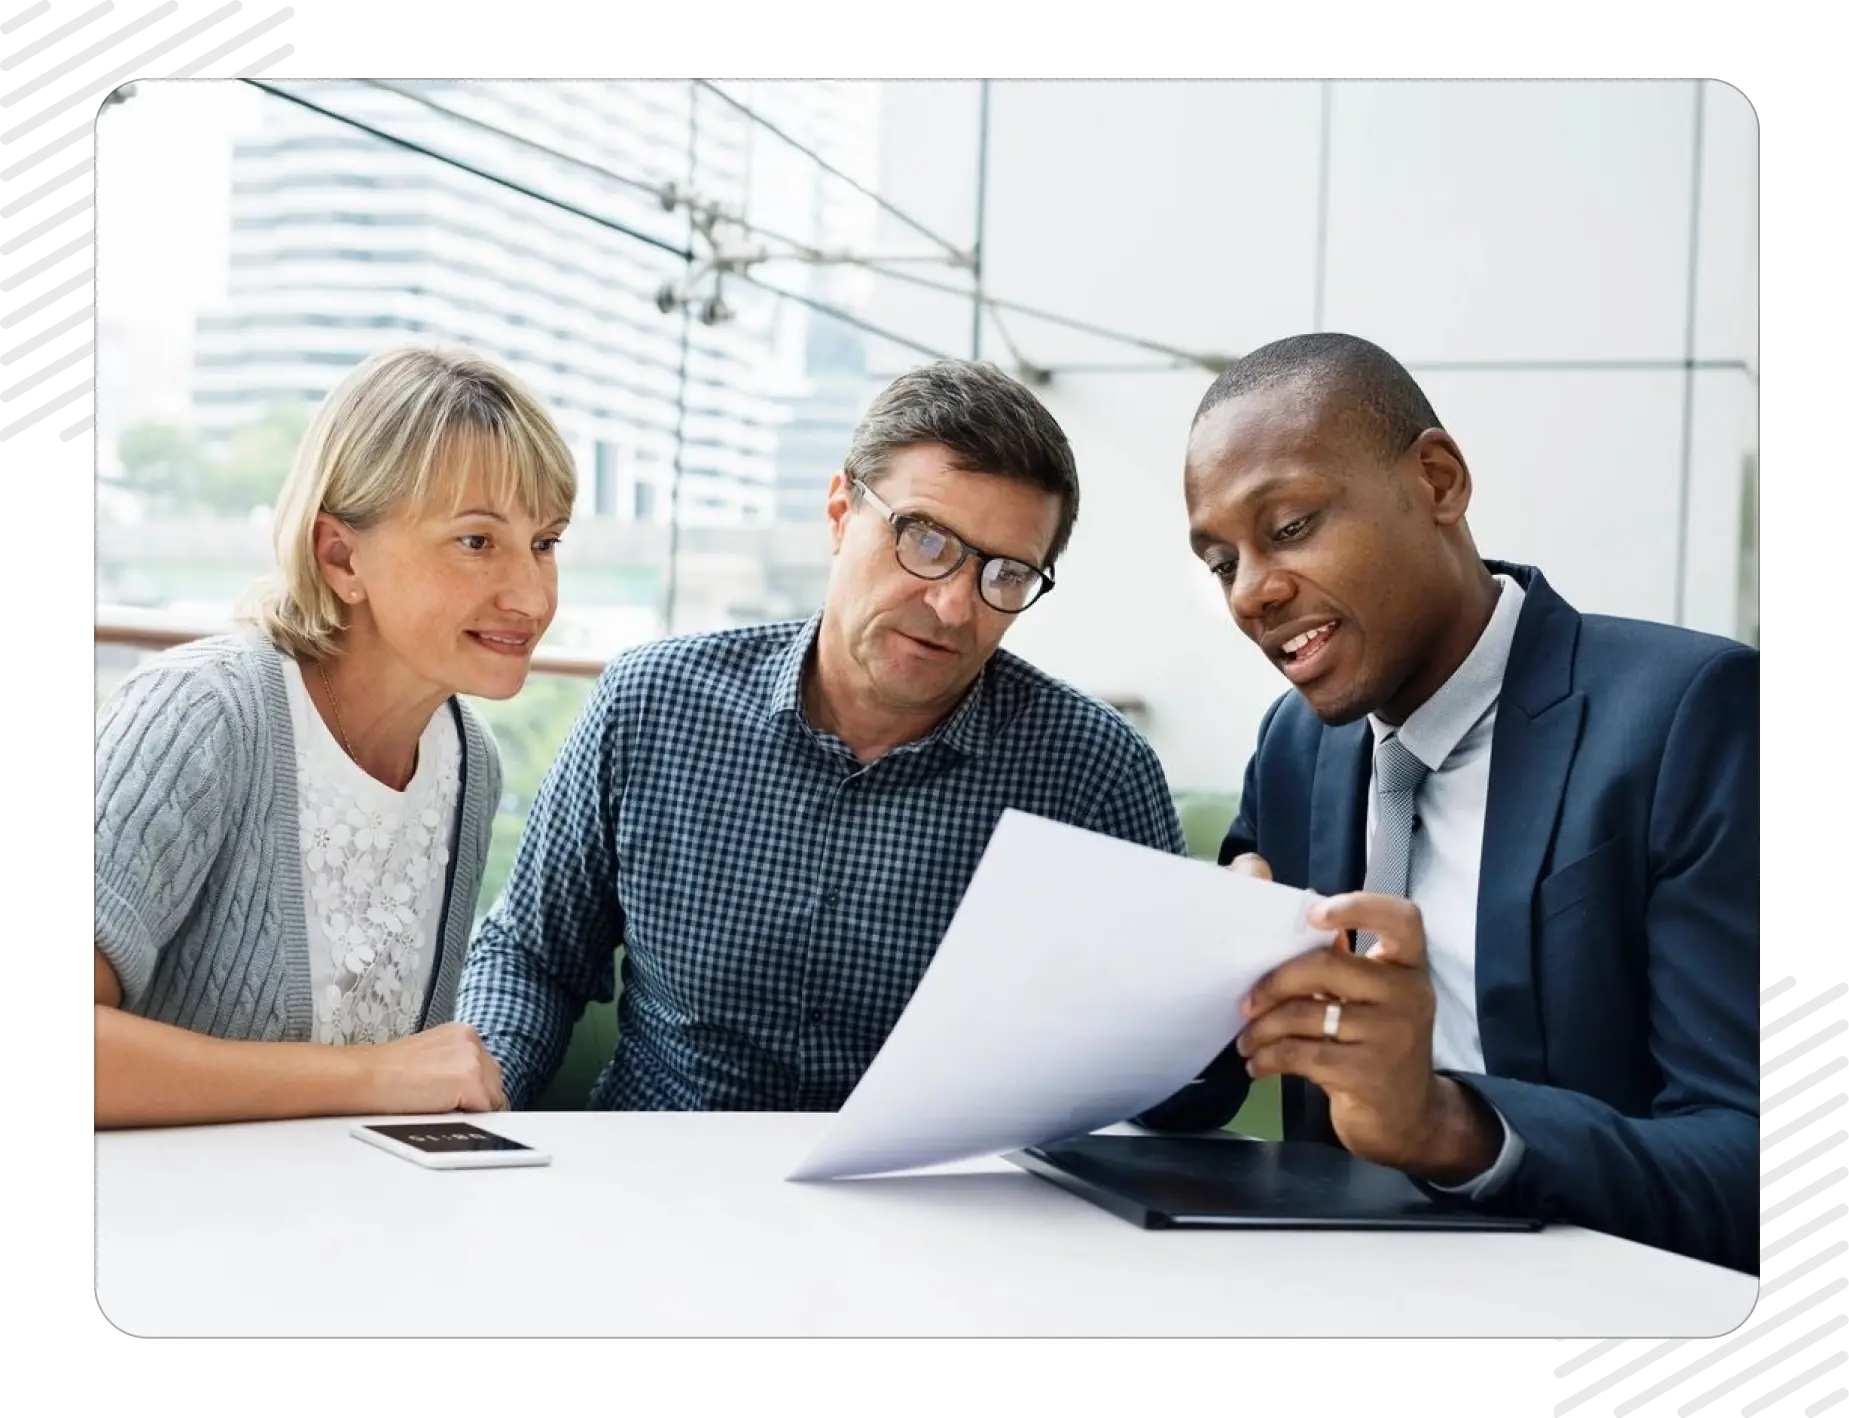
(1162, 1183)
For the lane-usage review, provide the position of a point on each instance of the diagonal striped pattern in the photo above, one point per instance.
(69, 56)
(57, 63)
(1789, 1355)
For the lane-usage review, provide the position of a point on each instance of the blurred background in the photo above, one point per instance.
(706, 283)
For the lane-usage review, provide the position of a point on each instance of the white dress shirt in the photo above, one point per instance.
(1451, 733)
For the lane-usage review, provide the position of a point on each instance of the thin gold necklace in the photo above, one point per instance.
(334, 699)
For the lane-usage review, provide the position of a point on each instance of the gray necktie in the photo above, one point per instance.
(1398, 775)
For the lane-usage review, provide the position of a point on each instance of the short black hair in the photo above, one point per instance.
(990, 422)
(1370, 386)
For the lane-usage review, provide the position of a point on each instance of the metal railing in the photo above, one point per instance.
(140, 629)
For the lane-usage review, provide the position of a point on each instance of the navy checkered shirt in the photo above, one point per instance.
(777, 901)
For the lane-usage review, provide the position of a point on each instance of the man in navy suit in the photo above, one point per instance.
(1538, 831)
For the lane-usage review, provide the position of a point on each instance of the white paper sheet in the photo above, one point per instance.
(1082, 980)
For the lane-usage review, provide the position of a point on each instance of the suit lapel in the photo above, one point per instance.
(1538, 719)
(1338, 809)
(1338, 863)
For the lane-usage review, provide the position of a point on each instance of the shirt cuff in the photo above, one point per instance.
(1507, 1160)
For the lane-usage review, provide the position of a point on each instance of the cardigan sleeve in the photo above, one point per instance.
(166, 743)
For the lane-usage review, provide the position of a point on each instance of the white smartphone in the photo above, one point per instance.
(447, 1145)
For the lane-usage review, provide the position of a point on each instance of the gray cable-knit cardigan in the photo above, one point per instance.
(198, 858)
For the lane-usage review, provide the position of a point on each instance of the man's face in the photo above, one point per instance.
(1331, 558)
(916, 644)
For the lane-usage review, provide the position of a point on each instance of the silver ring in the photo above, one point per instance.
(1332, 1020)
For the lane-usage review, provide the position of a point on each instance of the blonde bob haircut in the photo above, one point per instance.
(405, 429)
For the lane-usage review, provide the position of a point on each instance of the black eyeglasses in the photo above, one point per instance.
(931, 553)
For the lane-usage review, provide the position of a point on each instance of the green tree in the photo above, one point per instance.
(530, 728)
(163, 461)
(183, 473)
(249, 471)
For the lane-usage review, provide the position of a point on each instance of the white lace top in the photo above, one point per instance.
(373, 866)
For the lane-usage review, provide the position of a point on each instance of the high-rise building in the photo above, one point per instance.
(813, 441)
(344, 242)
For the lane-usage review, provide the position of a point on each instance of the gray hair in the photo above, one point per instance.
(989, 422)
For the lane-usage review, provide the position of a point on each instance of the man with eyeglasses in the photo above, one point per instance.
(777, 823)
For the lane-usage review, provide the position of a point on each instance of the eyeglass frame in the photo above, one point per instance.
(897, 521)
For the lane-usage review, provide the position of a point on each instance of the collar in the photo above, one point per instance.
(968, 728)
(786, 680)
(1434, 730)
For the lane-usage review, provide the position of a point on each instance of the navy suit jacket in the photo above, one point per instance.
(1617, 921)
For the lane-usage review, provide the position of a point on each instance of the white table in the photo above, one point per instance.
(681, 1224)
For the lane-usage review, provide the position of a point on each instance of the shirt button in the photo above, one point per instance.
(814, 1016)
(831, 898)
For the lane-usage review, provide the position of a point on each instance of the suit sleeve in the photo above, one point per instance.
(1212, 1100)
(1686, 1178)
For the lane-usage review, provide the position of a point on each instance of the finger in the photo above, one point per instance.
(1329, 1066)
(1396, 921)
(1250, 864)
(1304, 1019)
(1329, 971)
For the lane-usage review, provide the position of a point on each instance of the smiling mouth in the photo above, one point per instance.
(1301, 654)
(502, 644)
(1308, 641)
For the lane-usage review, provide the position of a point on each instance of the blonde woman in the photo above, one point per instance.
(291, 822)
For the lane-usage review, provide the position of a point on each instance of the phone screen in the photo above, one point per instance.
(447, 1137)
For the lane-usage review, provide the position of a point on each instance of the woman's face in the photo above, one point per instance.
(460, 592)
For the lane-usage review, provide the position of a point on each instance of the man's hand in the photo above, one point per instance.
(1385, 1102)
(1250, 864)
